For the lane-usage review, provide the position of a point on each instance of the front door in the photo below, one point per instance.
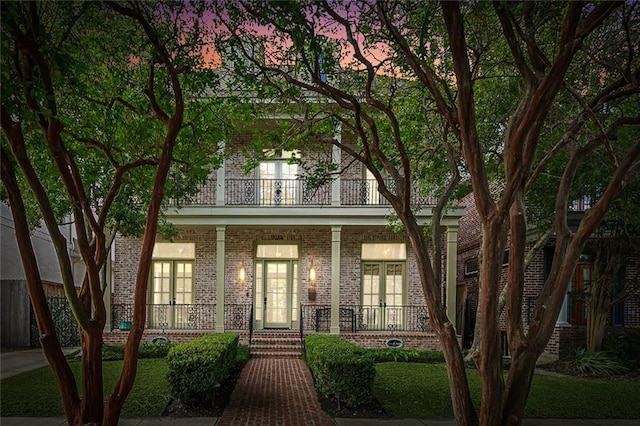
(277, 294)
(382, 296)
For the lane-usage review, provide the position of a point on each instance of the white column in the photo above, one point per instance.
(452, 273)
(336, 157)
(220, 252)
(220, 184)
(335, 279)
(562, 317)
(107, 292)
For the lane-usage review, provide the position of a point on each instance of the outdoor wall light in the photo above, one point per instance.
(242, 275)
(312, 273)
(312, 282)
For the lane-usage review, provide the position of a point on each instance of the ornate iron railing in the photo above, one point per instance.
(168, 316)
(364, 192)
(238, 316)
(275, 192)
(391, 318)
(355, 318)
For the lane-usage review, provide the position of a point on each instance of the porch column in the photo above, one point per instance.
(335, 279)
(220, 252)
(108, 326)
(452, 273)
(220, 183)
(336, 157)
(562, 317)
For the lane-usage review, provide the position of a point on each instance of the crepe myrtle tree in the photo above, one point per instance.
(102, 120)
(512, 86)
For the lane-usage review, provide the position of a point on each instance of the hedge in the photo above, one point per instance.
(196, 367)
(341, 370)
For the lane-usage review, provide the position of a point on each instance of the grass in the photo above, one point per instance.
(422, 391)
(148, 397)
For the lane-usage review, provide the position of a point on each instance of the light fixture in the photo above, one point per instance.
(312, 273)
(242, 275)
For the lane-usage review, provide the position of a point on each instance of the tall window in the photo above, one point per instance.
(279, 178)
(383, 286)
(172, 285)
(578, 293)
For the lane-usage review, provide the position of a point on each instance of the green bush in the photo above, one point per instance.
(146, 350)
(406, 355)
(625, 344)
(197, 367)
(598, 363)
(341, 370)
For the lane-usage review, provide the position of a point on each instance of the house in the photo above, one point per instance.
(267, 254)
(18, 323)
(570, 329)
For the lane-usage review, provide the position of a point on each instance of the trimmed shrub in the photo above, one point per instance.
(626, 345)
(598, 363)
(341, 370)
(146, 350)
(406, 355)
(197, 367)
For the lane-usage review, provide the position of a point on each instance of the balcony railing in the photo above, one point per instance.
(296, 192)
(364, 192)
(275, 192)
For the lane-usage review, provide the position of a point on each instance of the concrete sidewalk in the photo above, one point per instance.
(210, 421)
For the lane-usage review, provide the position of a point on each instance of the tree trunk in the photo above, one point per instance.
(489, 359)
(597, 312)
(92, 385)
(518, 386)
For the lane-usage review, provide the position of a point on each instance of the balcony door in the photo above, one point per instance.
(276, 286)
(171, 294)
(278, 176)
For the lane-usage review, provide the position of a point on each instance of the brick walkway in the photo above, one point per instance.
(274, 391)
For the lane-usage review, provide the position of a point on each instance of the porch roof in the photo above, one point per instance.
(283, 215)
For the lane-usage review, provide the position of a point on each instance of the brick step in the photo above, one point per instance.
(266, 354)
(275, 341)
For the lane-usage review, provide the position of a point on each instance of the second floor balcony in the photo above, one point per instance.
(297, 192)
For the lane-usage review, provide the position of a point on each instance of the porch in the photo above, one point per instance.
(367, 326)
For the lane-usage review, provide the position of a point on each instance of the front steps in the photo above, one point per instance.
(275, 344)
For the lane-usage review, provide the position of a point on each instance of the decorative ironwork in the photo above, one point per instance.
(249, 192)
(277, 192)
(364, 192)
(237, 316)
(169, 316)
(64, 323)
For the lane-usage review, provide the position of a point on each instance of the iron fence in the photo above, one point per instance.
(275, 192)
(392, 318)
(167, 316)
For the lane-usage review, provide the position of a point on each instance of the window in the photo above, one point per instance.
(278, 176)
(471, 266)
(578, 293)
(383, 286)
(172, 285)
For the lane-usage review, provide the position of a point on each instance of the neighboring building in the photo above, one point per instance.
(18, 327)
(570, 328)
(266, 252)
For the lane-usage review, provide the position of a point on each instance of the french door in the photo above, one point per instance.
(276, 293)
(171, 293)
(382, 296)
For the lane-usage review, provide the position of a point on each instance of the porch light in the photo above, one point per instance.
(312, 273)
(242, 275)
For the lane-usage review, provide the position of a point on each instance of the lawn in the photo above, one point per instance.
(410, 390)
(35, 393)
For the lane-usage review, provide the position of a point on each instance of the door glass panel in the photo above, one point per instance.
(294, 293)
(276, 295)
(161, 283)
(371, 315)
(393, 298)
(259, 302)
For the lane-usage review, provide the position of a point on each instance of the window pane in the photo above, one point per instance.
(174, 250)
(277, 251)
(383, 251)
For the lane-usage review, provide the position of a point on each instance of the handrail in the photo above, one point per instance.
(251, 326)
(301, 331)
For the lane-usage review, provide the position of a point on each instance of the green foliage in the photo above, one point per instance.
(146, 350)
(197, 367)
(626, 346)
(148, 398)
(341, 369)
(406, 355)
(598, 363)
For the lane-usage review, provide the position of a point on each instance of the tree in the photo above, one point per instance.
(550, 71)
(102, 117)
